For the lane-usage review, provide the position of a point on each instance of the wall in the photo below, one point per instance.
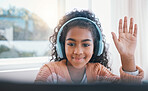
(21, 69)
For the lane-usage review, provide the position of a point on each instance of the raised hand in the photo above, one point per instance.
(126, 44)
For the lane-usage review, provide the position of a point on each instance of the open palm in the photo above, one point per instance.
(126, 43)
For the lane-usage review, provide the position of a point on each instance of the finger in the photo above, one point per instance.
(120, 26)
(114, 38)
(131, 26)
(125, 25)
(135, 30)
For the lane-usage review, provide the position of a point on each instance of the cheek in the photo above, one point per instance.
(90, 51)
(68, 50)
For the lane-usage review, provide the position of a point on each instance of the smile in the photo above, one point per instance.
(77, 59)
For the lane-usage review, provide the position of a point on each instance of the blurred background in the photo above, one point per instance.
(26, 25)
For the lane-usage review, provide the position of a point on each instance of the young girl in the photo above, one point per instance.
(79, 52)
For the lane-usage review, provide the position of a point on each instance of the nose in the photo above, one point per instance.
(78, 50)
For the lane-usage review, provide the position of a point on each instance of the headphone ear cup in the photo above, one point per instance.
(101, 47)
(59, 51)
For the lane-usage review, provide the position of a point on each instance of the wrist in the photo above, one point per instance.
(128, 63)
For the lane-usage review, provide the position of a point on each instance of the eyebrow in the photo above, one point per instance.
(86, 40)
(71, 39)
(81, 41)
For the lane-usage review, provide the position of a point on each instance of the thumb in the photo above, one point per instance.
(114, 38)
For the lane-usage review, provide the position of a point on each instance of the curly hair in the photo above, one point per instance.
(103, 58)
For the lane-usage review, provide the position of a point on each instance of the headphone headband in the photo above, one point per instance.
(58, 45)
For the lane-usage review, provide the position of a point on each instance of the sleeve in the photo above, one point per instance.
(104, 75)
(128, 78)
(133, 73)
(44, 75)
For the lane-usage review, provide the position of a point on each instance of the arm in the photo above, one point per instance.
(126, 44)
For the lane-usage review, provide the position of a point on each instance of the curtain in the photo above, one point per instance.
(138, 9)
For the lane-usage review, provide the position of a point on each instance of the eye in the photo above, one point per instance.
(86, 45)
(71, 44)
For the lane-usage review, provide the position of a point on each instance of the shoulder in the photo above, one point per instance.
(56, 64)
(98, 68)
(48, 69)
(51, 66)
(95, 66)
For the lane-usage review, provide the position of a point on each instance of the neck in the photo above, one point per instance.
(75, 70)
(75, 73)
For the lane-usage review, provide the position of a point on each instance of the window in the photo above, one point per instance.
(25, 27)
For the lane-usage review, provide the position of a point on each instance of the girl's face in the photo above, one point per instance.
(79, 46)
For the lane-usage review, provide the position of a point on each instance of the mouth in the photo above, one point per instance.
(78, 59)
